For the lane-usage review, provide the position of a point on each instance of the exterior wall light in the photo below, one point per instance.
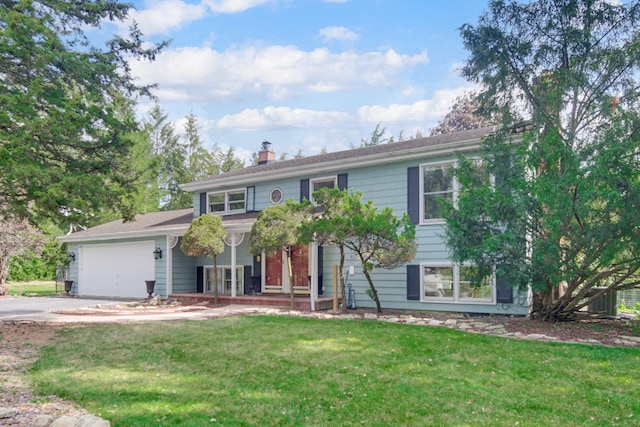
(157, 253)
(71, 257)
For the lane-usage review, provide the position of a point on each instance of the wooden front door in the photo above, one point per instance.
(277, 275)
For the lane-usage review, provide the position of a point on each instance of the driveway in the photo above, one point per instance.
(40, 308)
(85, 310)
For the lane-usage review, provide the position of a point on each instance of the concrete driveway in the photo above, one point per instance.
(40, 308)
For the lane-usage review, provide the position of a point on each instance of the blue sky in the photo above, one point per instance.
(305, 74)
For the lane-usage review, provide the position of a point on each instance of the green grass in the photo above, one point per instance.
(269, 370)
(32, 288)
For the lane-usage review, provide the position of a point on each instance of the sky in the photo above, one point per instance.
(306, 75)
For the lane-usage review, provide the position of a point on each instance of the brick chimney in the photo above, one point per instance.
(266, 155)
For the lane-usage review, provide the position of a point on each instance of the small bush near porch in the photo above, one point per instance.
(269, 370)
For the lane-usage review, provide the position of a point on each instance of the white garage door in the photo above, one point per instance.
(115, 270)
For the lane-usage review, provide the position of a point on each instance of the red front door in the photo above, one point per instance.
(277, 275)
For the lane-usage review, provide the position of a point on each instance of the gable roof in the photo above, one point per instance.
(148, 224)
(364, 156)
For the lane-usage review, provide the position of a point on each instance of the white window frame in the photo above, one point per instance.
(208, 279)
(313, 181)
(457, 298)
(227, 202)
(455, 187)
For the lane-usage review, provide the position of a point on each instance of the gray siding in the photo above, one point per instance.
(184, 271)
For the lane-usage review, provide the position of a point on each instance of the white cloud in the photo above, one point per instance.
(280, 117)
(338, 33)
(233, 6)
(162, 16)
(273, 72)
(420, 111)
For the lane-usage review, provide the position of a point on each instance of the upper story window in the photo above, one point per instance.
(319, 183)
(226, 202)
(439, 182)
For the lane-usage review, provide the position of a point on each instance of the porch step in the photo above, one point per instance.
(302, 302)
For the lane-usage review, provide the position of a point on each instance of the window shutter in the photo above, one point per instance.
(256, 279)
(320, 264)
(342, 181)
(200, 280)
(503, 290)
(413, 282)
(413, 194)
(304, 189)
(251, 199)
(203, 203)
(247, 279)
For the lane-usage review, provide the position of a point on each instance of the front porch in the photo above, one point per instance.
(302, 302)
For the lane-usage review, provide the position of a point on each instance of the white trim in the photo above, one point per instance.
(281, 196)
(456, 286)
(312, 181)
(124, 235)
(169, 262)
(221, 279)
(337, 165)
(227, 202)
(454, 185)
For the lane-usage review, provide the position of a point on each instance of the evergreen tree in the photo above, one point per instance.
(62, 149)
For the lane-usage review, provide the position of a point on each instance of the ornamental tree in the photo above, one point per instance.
(205, 238)
(379, 239)
(63, 145)
(332, 227)
(561, 215)
(278, 228)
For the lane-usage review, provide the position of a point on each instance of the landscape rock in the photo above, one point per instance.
(43, 421)
(7, 412)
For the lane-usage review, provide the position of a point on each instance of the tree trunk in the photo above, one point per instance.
(290, 269)
(373, 289)
(4, 269)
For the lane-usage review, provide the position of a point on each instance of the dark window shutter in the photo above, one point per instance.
(248, 284)
(342, 181)
(256, 279)
(413, 194)
(304, 189)
(200, 280)
(203, 203)
(504, 290)
(413, 282)
(320, 264)
(251, 199)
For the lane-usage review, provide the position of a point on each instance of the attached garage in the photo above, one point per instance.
(115, 269)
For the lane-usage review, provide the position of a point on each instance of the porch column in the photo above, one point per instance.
(233, 240)
(172, 241)
(313, 292)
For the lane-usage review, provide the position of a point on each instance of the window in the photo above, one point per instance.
(227, 202)
(454, 283)
(439, 182)
(224, 280)
(319, 183)
(275, 196)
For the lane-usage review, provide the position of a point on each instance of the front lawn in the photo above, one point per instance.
(34, 288)
(271, 370)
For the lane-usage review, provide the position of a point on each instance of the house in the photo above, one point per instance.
(115, 259)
